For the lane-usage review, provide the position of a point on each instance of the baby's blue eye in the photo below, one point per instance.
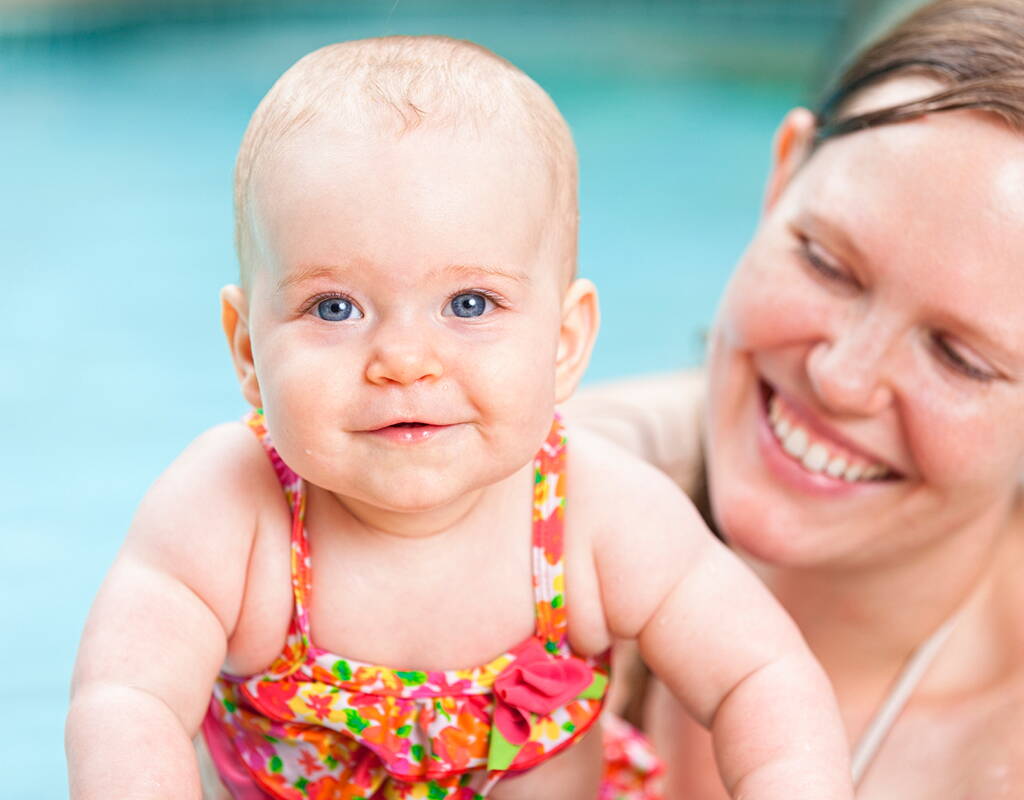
(337, 309)
(468, 304)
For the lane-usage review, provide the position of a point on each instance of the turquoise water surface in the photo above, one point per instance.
(115, 223)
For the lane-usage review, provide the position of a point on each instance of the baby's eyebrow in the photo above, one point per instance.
(462, 271)
(476, 270)
(309, 273)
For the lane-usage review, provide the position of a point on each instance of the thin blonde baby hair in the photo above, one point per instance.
(397, 84)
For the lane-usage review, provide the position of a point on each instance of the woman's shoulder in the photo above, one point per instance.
(960, 735)
(656, 417)
(964, 746)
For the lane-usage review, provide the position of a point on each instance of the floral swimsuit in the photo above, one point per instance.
(315, 725)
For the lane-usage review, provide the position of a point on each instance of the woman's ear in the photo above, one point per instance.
(791, 146)
(580, 321)
(234, 317)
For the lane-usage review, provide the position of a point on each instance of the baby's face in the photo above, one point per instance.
(405, 314)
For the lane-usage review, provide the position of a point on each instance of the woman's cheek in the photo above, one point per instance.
(759, 311)
(960, 442)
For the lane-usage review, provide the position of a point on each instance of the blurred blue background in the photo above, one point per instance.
(120, 122)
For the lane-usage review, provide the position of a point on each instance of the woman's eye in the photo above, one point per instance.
(468, 304)
(337, 309)
(822, 264)
(962, 364)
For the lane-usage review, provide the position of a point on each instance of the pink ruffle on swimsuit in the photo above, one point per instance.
(316, 725)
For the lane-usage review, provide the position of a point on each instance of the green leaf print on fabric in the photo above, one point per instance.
(550, 646)
(355, 722)
(404, 730)
(275, 764)
(412, 678)
(417, 752)
(556, 601)
(231, 707)
(435, 792)
(301, 785)
(597, 687)
(342, 670)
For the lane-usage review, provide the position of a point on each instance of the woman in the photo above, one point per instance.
(862, 410)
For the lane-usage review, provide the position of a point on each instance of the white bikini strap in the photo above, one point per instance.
(903, 687)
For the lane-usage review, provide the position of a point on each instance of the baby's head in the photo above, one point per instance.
(406, 227)
(398, 85)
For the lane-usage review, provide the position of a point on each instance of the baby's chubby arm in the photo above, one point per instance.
(158, 630)
(713, 634)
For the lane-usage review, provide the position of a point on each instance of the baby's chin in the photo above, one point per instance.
(414, 502)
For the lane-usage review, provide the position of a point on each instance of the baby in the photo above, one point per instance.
(405, 494)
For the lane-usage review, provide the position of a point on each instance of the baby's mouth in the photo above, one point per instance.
(410, 431)
(816, 453)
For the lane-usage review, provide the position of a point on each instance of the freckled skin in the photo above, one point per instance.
(924, 224)
(863, 358)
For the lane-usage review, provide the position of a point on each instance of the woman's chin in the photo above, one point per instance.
(771, 533)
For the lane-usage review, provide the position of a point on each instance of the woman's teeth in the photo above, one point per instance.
(819, 456)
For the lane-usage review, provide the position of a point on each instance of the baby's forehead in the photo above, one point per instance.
(328, 157)
(410, 93)
(429, 196)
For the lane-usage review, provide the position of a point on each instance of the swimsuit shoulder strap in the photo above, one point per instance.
(295, 493)
(897, 697)
(548, 546)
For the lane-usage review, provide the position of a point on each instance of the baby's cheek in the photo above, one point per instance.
(521, 392)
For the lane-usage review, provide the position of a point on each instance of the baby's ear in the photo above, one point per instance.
(581, 318)
(234, 317)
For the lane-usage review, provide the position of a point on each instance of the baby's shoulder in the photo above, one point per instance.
(207, 503)
(613, 487)
(221, 464)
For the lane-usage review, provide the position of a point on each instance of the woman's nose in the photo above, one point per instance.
(849, 371)
(403, 357)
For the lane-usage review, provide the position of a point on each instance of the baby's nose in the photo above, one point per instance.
(403, 360)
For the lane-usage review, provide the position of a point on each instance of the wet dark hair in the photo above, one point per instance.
(975, 48)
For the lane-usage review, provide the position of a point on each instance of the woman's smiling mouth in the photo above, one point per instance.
(821, 457)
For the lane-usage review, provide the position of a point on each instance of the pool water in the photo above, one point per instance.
(116, 224)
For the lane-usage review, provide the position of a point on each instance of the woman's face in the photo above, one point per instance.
(867, 364)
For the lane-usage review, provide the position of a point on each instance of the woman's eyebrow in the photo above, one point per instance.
(821, 226)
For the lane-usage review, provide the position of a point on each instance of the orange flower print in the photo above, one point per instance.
(320, 705)
(309, 763)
